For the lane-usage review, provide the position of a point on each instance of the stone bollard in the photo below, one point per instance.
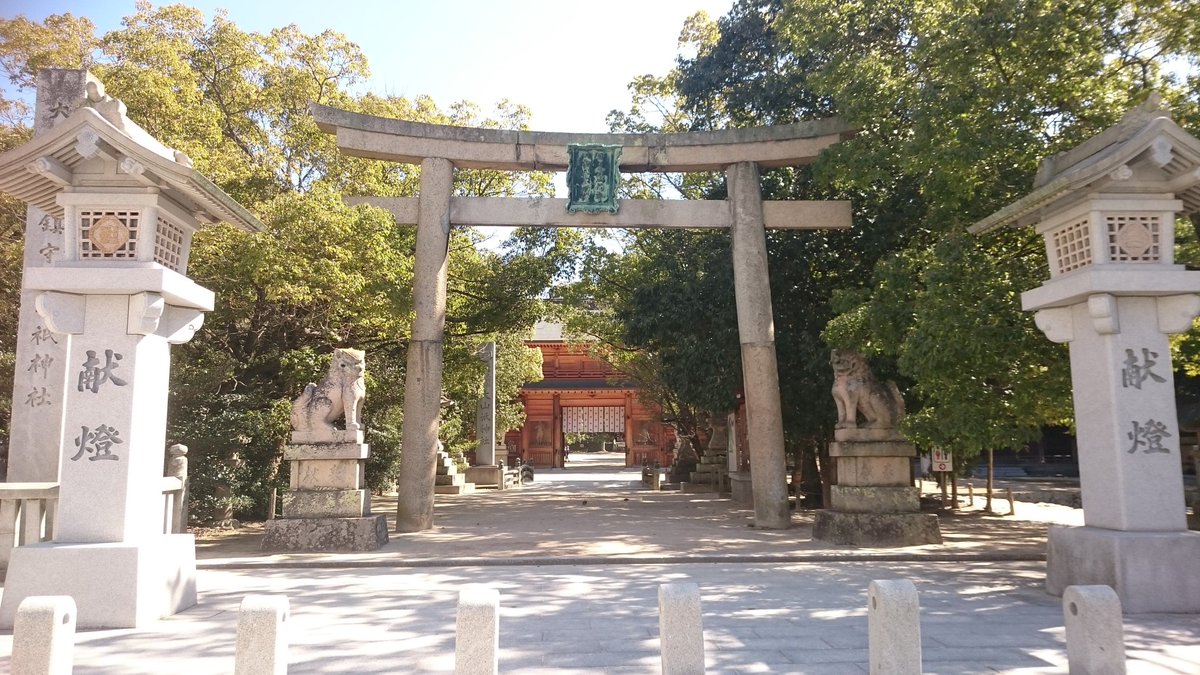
(893, 627)
(262, 643)
(44, 636)
(177, 467)
(1095, 635)
(680, 630)
(477, 638)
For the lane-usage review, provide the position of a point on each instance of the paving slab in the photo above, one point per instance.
(772, 602)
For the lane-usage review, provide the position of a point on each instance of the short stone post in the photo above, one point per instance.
(44, 636)
(262, 642)
(477, 632)
(893, 627)
(177, 467)
(1095, 635)
(680, 629)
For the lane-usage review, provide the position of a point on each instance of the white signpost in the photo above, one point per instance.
(942, 461)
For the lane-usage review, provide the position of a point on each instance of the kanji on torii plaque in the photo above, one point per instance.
(592, 174)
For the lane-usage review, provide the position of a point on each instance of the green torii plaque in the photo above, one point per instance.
(592, 174)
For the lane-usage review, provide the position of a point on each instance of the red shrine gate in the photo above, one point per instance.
(582, 394)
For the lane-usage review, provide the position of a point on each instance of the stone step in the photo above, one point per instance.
(463, 489)
(447, 471)
(698, 488)
(714, 459)
(455, 479)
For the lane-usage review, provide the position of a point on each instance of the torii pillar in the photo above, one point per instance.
(423, 380)
(756, 332)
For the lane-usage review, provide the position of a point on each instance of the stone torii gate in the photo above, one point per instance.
(739, 153)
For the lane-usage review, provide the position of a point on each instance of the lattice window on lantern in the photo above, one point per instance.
(1072, 247)
(1133, 237)
(168, 245)
(108, 235)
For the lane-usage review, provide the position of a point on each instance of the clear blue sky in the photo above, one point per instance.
(529, 51)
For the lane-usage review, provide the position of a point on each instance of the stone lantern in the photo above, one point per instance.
(104, 294)
(1107, 210)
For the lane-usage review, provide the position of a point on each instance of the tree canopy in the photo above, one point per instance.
(322, 274)
(956, 103)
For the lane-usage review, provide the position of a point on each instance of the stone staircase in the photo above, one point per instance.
(710, 475)
(449, 481)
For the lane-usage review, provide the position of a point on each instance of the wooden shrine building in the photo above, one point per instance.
(581, 393)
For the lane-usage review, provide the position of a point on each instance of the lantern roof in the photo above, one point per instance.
(39, 170)
(1147, 139)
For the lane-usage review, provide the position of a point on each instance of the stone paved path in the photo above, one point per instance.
(578, 586)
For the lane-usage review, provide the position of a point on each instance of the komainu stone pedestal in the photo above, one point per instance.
(1150, 571)
(326, 534)
(874, 502)
(328, 507)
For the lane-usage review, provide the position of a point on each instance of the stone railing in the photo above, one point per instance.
(28, 510)
(44, 631)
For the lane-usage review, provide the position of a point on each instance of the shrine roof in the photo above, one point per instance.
(589, 384)
(1146, 135)
(397, 140)
(39, 170)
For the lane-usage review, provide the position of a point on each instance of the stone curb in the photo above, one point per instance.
(620, 560)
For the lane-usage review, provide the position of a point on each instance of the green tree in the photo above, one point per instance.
(322, 274)
(962, 100)
(956, 103)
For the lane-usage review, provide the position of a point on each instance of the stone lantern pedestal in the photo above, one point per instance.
(105, 293)
(1107, 212)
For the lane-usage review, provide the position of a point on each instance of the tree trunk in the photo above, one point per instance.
(990, 476)
(828, 474)
(810, 476)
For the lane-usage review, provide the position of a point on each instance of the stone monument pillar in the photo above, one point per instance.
(874, 502)
(40, 378)
(1107, 211)
(110, 294)
(485, 428)
(487, 471)
(328, 507)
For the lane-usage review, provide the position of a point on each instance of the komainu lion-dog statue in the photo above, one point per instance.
(856, 390)
(340, 393)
